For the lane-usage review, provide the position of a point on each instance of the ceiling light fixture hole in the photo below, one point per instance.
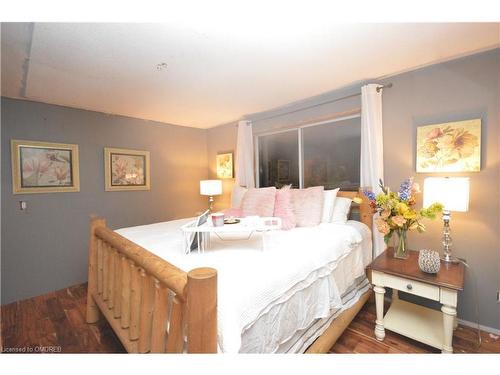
(161, 66)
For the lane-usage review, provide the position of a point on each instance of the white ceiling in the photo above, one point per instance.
(215, 74)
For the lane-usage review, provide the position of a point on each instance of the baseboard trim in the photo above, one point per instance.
(483, 328)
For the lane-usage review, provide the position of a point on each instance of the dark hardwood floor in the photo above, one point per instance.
(55, 322)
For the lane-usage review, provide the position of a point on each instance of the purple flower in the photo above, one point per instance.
(370, 195)
(405, 189)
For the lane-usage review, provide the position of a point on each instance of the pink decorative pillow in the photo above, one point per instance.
(308, 206)
(283, 207)
(259, 202)
(234, 212)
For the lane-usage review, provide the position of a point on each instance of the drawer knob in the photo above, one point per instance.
(409, 287)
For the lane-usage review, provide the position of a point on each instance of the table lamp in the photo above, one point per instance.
(453, 193)
(211, 188)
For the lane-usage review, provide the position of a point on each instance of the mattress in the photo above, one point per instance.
(277, 297)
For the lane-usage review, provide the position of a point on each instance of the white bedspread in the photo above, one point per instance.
(252, 281)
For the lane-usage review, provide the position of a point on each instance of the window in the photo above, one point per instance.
(325, 154)
(331, 154)
(279, 159)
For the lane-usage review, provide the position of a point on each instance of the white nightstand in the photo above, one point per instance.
(431, 327)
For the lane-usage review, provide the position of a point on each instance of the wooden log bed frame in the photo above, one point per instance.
(152, 305)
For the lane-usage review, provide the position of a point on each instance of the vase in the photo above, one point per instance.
(429, 261)
(400, 246)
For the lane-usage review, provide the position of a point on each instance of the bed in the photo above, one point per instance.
(237, 297)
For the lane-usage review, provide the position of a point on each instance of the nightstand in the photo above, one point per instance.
(431, 327)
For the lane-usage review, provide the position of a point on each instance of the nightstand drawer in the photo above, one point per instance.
(412, 287)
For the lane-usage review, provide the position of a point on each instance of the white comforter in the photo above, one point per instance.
(252, 280)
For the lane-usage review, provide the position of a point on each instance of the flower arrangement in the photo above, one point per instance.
(397, 213)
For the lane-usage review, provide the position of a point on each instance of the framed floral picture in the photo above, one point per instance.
(283, 170)
(224, 163)
(449, 147)
(126, 169)
(44, 167)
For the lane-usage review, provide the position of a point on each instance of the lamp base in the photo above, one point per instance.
(447, 258)
(447, 241)
(211, 204)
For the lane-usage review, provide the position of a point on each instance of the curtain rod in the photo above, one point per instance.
(380, 87)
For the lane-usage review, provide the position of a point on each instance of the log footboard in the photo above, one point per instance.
(151, 305)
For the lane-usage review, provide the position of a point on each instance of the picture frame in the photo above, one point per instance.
(449, 147)
(224, 165)
(283, 170)
(44, 167)
(126, 169)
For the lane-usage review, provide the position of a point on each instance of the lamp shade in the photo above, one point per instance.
(210, 187)
(452, 192)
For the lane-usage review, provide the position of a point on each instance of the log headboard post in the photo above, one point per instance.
(363, 208)
(92, 308)
(202, 310)
(365, 211)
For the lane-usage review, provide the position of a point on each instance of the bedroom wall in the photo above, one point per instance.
(221, 139)
(460, 89)
(45, 247)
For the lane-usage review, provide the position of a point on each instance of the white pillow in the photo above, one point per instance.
(341, 209)
(328, 202)
(237, 195)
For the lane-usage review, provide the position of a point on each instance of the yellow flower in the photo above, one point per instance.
(429, 149)
(402, 208)
(460, 141)
(410, 214)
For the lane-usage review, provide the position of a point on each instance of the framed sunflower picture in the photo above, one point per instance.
(44, 167)
(449, 147)
(224, 165)
(126, 169)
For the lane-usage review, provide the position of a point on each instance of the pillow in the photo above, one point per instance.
(283, 207)
(237, 195)
(259, 202)
(308, 206)
(341, 209)
(232, 212)
(328, 201)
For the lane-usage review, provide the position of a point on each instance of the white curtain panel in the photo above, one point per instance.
(244, 155)
(372, 149)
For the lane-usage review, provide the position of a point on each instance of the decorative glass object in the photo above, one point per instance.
(429, 261)
(400, 245)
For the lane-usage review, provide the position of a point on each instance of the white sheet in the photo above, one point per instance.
(253, 283)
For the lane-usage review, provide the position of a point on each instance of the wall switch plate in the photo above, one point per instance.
(23, 205)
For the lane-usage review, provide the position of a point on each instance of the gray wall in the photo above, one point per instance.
(457, 90)
(461, 89)
(221, 139)
(45, 248)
